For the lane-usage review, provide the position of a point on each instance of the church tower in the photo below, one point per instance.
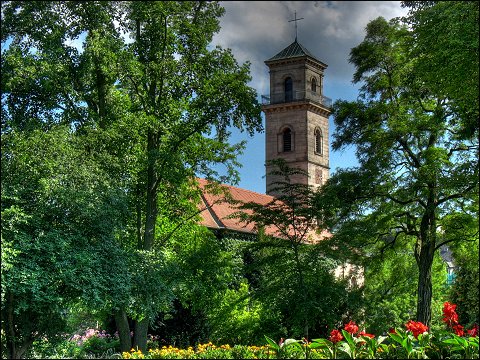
(296, 115)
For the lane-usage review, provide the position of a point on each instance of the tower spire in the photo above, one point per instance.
(295, 19)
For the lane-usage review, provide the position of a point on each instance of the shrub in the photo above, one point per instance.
(415, 340)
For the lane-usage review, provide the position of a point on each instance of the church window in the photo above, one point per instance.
(318, 141)
(287, 140)
(288, 89)
(318, 177)
(314, 85)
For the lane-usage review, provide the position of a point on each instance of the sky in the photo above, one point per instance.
(258, 30)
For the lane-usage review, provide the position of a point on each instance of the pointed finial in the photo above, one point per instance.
(295, 23)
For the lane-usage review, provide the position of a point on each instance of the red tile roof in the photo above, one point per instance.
(217, 210)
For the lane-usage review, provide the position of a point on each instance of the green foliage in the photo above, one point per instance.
(457, 22)
(277, 284)
(417, 165)
(239, 318)
(465, 258)
(289, 272)
(467, 348)
(464, 290)
(203, 272)
(389, 288)
(56, 249)
(213, 299)
(115, 130)
(92, 344)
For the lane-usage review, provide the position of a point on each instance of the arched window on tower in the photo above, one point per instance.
(287, 140)
(318, 176)
(314, 85)
(318, 141)
(288, 89)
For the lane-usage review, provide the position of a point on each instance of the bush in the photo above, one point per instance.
(92, 344)
(415, 341)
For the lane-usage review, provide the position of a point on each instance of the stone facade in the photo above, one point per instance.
(303, 110)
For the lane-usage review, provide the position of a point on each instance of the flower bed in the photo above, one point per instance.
(414, 341)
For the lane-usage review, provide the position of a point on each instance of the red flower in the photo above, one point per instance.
(473, 331)
(450, 317)
(458, 330)
(416, 327)
(351, 327)
(392, 331)
(335, 336)
(363, 333)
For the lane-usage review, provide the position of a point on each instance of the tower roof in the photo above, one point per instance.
(291, 51)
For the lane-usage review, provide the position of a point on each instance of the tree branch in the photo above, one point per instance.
(457, 195)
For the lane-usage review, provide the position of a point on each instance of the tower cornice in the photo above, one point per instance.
(303, 105)
(298, 60)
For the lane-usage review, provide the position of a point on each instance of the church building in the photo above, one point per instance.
(296, 124)
(297, 129)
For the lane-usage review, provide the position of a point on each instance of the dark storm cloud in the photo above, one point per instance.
(258, 30)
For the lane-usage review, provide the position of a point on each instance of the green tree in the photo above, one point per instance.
(184, 90)
(294, 275)
(149, 98)
(415, 169)
(58, 247)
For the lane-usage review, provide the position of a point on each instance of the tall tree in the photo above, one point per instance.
(58, 247)
(146, 93)
(416, 163)
(184, 90)
(296, 275)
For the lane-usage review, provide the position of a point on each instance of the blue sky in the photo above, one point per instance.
(256, 31)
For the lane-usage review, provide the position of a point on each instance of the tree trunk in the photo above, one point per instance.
(139, 215)
(424, 256)
(123, 329)
(22, 349)
(14, 348)
(140, 335)
(424, 295)
(10, 327)
(141, 327)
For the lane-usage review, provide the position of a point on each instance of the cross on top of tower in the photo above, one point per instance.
(295, 19)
